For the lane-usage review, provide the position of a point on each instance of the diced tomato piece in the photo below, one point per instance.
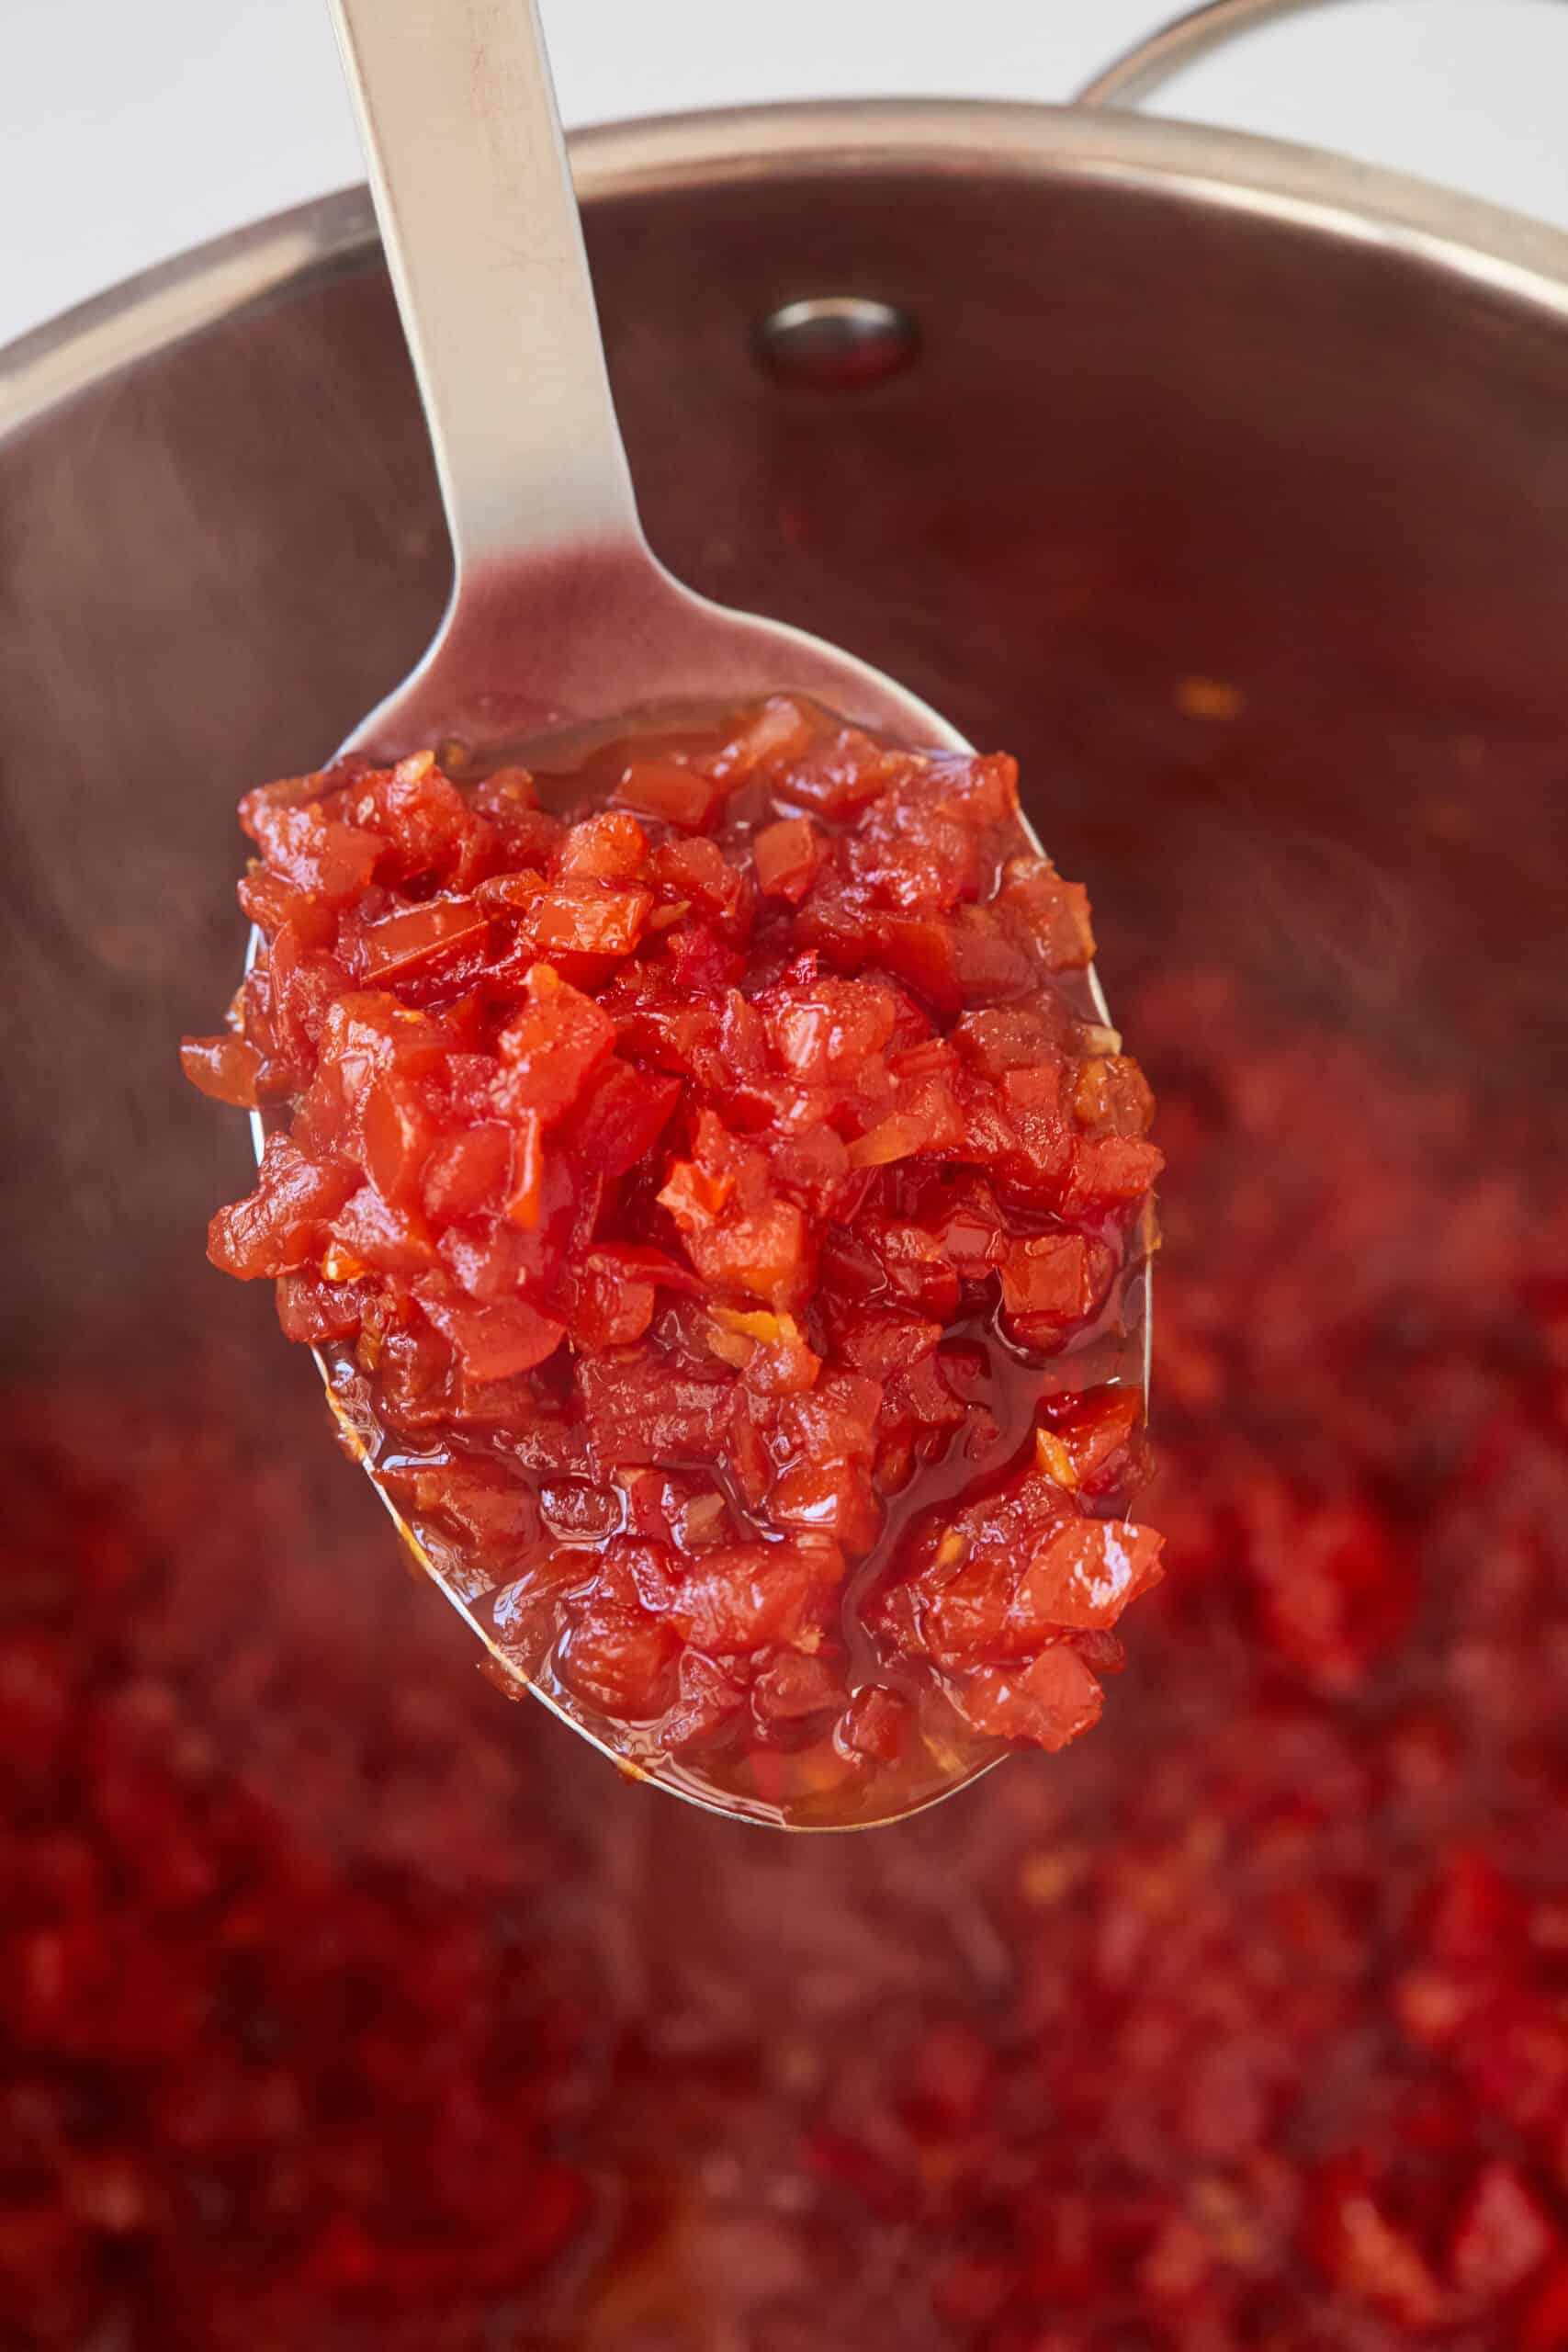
(787, 856)
(1007, 1038)
(270, 902)
(764, 1251)
(920, 1394)
(740, 1597)
(621, 1116)
(283, 1223)
(1096, 1435)
(832, 1498)
(692, 1196)
(415, 939)
(972, 1232)
(318, 855)
(620, 1660)
(877, 1724)
(553, 1045)
(493, 1342)
(922, 950)
(633, 1261)
(427, 827)
(641, 1409)
(1051, 913)
(792, 1690)
(698, 872)
(880, 1341)
(465, 1172)
(829, 1030)
(302, 987)
(710, 1695)
(611, 1310)
(370, 1230)
(1087, 1571)
(312, 1310)
(1112, 1097)
(224, 1067)
(700, 960)
(673, 793)
(493, 1257)
(367, 1035)
(843, 772)
(916, 1267)
(1054, 1280)
(987, 961)
(491, 1507)
(586, 919)
(1048, 1702)
(617, 1291)
(933, 1123)
(413, 1379)
(1110, 1171)
(512, 893)
(607, 848)
(400, 1131)
(777, 732)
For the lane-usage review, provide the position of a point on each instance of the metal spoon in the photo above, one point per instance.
(560, 613)
(560, 609)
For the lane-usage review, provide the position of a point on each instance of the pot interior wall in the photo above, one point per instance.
(1148, 441)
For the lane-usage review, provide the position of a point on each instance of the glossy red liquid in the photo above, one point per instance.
(720, 1205)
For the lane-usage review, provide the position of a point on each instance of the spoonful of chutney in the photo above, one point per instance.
(691, 1138)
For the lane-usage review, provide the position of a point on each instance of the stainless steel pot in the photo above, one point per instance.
(1226, 482)
(1157, 402)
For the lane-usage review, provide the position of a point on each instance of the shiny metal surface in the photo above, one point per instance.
(837, 343)
(1144, 70)
(559, 612)
(480, 226)
(1188, 406)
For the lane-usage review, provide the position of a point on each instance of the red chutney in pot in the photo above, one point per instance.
(337, 2013)
(725, 1218)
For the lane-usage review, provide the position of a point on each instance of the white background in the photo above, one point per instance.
(131, 128)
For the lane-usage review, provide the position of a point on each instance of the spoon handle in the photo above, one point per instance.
(477, 214)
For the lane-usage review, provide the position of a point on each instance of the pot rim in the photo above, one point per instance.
(309, 244)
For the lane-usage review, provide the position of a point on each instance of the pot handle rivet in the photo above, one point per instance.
(836, 343)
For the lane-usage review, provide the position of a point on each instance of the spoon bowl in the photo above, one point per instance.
(560, 615)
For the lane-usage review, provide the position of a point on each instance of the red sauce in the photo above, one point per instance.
(338, 2013)
(723, 1216)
